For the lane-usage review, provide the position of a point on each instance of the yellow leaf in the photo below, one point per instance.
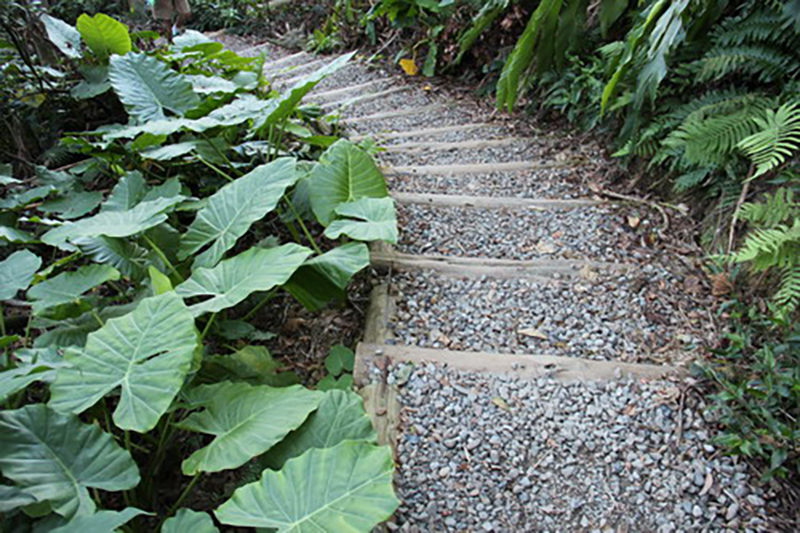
(409, 67)
(501, 403)
(535, 333)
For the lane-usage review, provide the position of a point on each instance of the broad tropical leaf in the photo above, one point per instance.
(113, 223)
(74, 205)
(236, 278)
(245, 420)
(253, 364)
(232, 210)
(127, 193)
(324, 278)
(16, 273)
(127, 257)
(146, 354)
(69, 286)
(66, 38)
(12, 498)
(188, 521)
(15, 235)
(148, 87)
(56, 458)
(32, 366)
(368, 219)
(340, 417)
(99, 522)
(345, 173)
(347, 489)
(104, 35)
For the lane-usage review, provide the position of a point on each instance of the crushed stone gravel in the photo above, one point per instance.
(600, 233)
(500, 454)
(645, 315)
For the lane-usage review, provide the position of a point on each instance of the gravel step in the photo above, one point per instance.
(352, 105)
(600, 233)
(477, 151)
(565, 182)
(410, 118)
(642, 315)
(351, 91)
(492, 454)
(458, 169)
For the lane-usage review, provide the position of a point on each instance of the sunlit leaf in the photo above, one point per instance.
(16, 273)
(368, 219)
(69, 286)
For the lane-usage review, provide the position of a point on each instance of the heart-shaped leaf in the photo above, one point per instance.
(368, 219)
(231, 211)
(16, 273)
(147, 87)
(324, 278)
(56, 458)
(146, 354)
(340, 417)
(99, 522)
(104, 35)
(236, 278)
(347, 488)
(245, 421)
(66, 38)
(186, 520)
(69, 286)
(345, 173)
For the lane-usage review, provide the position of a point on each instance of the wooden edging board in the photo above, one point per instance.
(542, 269)
(492, 202)
(348, 89)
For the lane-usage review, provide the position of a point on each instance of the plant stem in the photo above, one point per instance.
(215, 169)
(221, 154)
(97, 317)
(207, 327)
(259, 305)
(180, 500)
(162, 256)
(302, 225)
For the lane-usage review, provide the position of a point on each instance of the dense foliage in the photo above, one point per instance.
(133, 363)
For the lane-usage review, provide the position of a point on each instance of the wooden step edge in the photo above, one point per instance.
(350, 88)
(492, 202)
(424, 131)
(284, 83)
(479, 168)
(269, 65)
(476, 144)
(291, 70)
(340, 105)
(559, 367)
(545, 270)
(394, 114)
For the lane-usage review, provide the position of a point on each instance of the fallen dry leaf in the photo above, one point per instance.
(501, 403)
(409, 67)
(545, 248)
(707, 485)
(588, 273)
(720, 284)
(531, 332)
(634, 222)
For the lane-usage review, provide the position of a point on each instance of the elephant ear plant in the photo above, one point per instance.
(132, 369)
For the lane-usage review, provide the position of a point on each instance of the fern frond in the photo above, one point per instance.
(709, 141)
(763, 246)
(762, 26)
(762, 62)
(778, 137)
(788, 295)
(775, 209)
(692, 179)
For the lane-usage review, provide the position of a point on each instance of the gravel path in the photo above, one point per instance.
(483, 453)
(600, 233)
(642, 316)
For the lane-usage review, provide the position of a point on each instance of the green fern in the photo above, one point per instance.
(788, 294)
(775, 209)
(777, 138)
(762, 62)
(710, 141)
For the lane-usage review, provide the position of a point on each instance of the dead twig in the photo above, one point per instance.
(641, 201)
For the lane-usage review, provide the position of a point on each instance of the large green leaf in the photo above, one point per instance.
(146, 354)
(253, 364)
(31, 366)
(345, 489)
(113, 223)
(104, 35)
(236, 278)
(340, 417)
(188, 521)
(56, 458)
(66, 38)
(99, 522)
(74, 205)
(245, 420)
(127, 193)
(324, 278)
(345, 173)
(287, 103)
(16, 273)
(127, 257)
(368, 219)
(69, 286)
(148, 86)
(12, 497)
(231, 211)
